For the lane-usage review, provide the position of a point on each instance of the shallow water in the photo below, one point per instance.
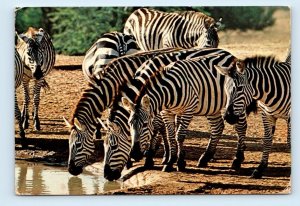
(40, 179)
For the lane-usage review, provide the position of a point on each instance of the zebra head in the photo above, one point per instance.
(141, 127)
(81, 147)
(33, 56)
(238, 90)
(116, 151)
(209, 37)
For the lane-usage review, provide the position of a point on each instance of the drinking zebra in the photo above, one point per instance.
(37, 53)
(268, 81)
(141, 122)
(108, 47)
(95, 100)
(19, 71)
(154, 29)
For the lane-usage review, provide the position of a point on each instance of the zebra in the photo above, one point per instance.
(19, 71)
(177, 99)
(117, 143)
(288, 58)
(108, 47)
(38, 55)
(84, 126)
(267, 81)
(154, 29)
(149, 68)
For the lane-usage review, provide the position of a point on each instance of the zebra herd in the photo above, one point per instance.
(153, 78)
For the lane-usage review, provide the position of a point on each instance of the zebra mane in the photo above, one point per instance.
(260, 61)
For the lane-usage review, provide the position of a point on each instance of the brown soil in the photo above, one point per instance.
(217, 178)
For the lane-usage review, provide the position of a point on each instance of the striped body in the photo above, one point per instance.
(19, 71)
(154, 29)
(179, 91)
(120, 116)
(96, 100)
(108, 47)
(267, 81)
(37, 53)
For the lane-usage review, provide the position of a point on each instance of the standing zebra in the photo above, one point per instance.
(154, 29)
(267, 81)
(96, 100)
(108, 47)
(37, 53)
(182, 89)
(19, 71)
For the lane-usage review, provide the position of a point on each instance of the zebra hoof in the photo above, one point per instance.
(181, 166)
(22, 134)
(168, 168)
(24, 144)
(236, 164)
(37, 125)
(149, 163)
(256, 174)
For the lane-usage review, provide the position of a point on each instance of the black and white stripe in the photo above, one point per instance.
(95, 100)
(19, 71)
(154, 29)
(177, 97)
(38, 55)
(110, 46)
(267, 81)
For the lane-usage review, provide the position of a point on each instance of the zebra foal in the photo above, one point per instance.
(38, 56)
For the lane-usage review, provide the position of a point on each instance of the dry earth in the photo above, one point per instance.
(217, 178)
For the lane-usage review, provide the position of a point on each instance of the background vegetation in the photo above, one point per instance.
(75, 29)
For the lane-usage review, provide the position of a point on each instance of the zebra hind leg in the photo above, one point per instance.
(217, 127)
(24, 114)
(269, 127)
(36, 101)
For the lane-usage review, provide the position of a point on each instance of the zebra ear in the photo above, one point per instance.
(77, 124)
(127, 104)
(102, 124)
(146, 102)
(68, 124)
(22, 37)
(223, 70)
(40, 35)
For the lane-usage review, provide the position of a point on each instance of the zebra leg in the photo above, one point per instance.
(149, 163)
(269, 127)
(163, 132)
(240, 128)
(217, 127)
(24, 115)
(182, 123)
(169, 120)
(18, 117)
(36, 102)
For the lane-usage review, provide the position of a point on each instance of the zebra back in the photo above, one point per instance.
(108, 47)
(154, 29)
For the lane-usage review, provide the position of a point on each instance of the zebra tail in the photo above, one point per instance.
(45, 85)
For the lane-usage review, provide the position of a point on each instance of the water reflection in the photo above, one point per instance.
(39, 179)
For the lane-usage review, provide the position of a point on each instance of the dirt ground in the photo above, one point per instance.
(67, 83)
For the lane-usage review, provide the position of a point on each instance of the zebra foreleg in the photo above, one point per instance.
(269, 127)
(217, 127)
(36, 102)
(24, 115)
(169, 120)
(240, 128)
